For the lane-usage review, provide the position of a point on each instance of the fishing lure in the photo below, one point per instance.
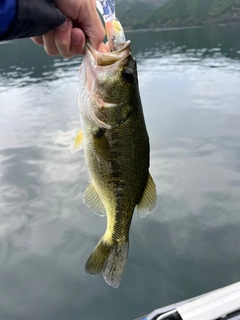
(114, 30)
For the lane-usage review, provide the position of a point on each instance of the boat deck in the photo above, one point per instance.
(220, 304)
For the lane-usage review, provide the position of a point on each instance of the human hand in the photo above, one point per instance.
(69, 39)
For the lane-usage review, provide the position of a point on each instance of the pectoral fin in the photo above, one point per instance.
(93, 201)
(149, 198)
(78, 142)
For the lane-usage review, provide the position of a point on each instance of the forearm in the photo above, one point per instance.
(27, 18)
(8, 10)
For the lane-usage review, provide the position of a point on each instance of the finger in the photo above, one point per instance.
(63, 39)
(37, 40)
(49, 44)
(96, 32)
(77, 41)
(91, 24)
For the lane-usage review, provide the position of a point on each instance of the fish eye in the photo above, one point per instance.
(127, 74)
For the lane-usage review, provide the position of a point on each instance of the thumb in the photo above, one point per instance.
(90, 23)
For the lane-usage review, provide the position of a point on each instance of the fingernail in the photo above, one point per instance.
(65, 25)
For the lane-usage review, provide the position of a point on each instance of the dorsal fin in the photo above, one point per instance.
(149, 198)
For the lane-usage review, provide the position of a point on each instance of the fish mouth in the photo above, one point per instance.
(108, 58)
(97, 66)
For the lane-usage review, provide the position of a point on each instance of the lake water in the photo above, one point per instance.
(190, 244)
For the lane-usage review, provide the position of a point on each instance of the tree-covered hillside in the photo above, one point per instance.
(177, 13)
(131, 12)
(194, 12)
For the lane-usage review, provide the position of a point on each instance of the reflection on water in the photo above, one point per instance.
(23, 66)
(189, 82)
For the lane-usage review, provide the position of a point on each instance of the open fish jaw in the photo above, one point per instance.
(99, 76)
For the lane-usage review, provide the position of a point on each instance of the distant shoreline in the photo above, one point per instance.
(160, 29)
(220, 24)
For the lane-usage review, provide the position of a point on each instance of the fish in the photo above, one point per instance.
(115, 141)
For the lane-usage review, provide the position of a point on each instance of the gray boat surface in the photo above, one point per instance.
(223, 303)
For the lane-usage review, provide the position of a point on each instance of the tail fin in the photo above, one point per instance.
(108, 259)
(98, 258)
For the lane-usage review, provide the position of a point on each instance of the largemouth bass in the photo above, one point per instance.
(116, 145)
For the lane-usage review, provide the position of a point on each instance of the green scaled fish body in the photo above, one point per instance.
(116, 145)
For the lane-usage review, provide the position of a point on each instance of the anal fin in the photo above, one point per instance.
(93, 201)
